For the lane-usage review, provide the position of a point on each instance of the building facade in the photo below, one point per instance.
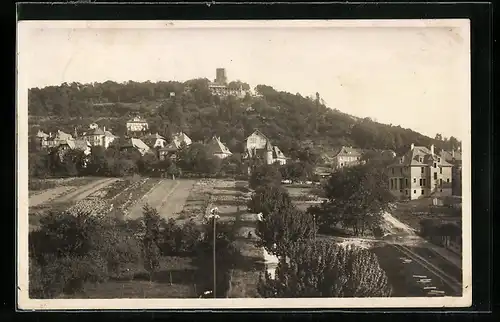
(155, 140)
(257, 145)
(137, 124)
(420, 173)
(455, 158)
(217, 148)
(99, 137)
(346, 156)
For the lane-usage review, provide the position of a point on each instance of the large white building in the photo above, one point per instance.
(420, 173)
(137, 124)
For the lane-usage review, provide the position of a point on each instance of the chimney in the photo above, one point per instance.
(453, 153)
(104, 128)
(412, 146)
(432, 149)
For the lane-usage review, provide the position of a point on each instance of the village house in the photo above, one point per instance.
(99, 137)
(217, 148)
(137, 124)
(259, 146)
(178, 140)
(42, 139)
(455, 158)
(54, 140)
(133, 144)
(346, 156)
(73, 144)
(154, 140)
(420, 173)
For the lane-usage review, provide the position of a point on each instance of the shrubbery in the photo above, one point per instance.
(71, 250)
(322, 269)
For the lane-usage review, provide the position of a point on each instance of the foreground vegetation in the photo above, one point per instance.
(72, 252)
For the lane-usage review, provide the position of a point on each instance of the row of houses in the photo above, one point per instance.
(257, 145)
(418, 173)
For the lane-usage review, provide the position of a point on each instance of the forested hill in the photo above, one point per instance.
(290, 120)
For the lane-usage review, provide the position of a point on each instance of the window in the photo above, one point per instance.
(440, 182)
(420, 182)
(434, 164)
(435, 175)
(422, 170)
(406, 192)
(422, 192)
(440, 190)
(423, 180)
(406, 182)
(414, 180)
(440, 170)
(414, 191)
(400, 190)
(448, 180)
(343, 165)
(439, 159)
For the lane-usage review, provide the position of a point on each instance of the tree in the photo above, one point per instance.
(151, 239)
(357, 197)
(323, 269)
(297, 171)
(39, 164)
(269, 198)
(264, 175)
(282, 228)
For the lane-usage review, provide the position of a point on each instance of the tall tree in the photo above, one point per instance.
(269, 198)
(151, 239)
(264, 174)
(281, 229)
(357, 197)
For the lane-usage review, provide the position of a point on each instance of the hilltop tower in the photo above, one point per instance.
(220, 76)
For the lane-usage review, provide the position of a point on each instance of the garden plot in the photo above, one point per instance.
(168, 197)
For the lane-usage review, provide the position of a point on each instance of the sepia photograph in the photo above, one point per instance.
(243, 164)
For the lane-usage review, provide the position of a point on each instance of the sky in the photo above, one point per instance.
(415, 76)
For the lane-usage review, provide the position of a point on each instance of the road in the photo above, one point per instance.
(68, 193)
(415, 266)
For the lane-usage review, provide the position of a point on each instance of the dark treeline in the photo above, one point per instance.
(287, 119)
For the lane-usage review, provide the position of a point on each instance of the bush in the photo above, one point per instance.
(71, 250)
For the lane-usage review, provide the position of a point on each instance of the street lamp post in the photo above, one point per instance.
(314, 226)
(214, 214)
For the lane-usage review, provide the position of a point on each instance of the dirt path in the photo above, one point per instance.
(84, 191)
(49, 195)
(168, 197)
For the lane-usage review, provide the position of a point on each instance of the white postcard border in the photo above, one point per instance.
(25, 303)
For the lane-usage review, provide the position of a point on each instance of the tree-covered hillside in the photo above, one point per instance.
(290, 120)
